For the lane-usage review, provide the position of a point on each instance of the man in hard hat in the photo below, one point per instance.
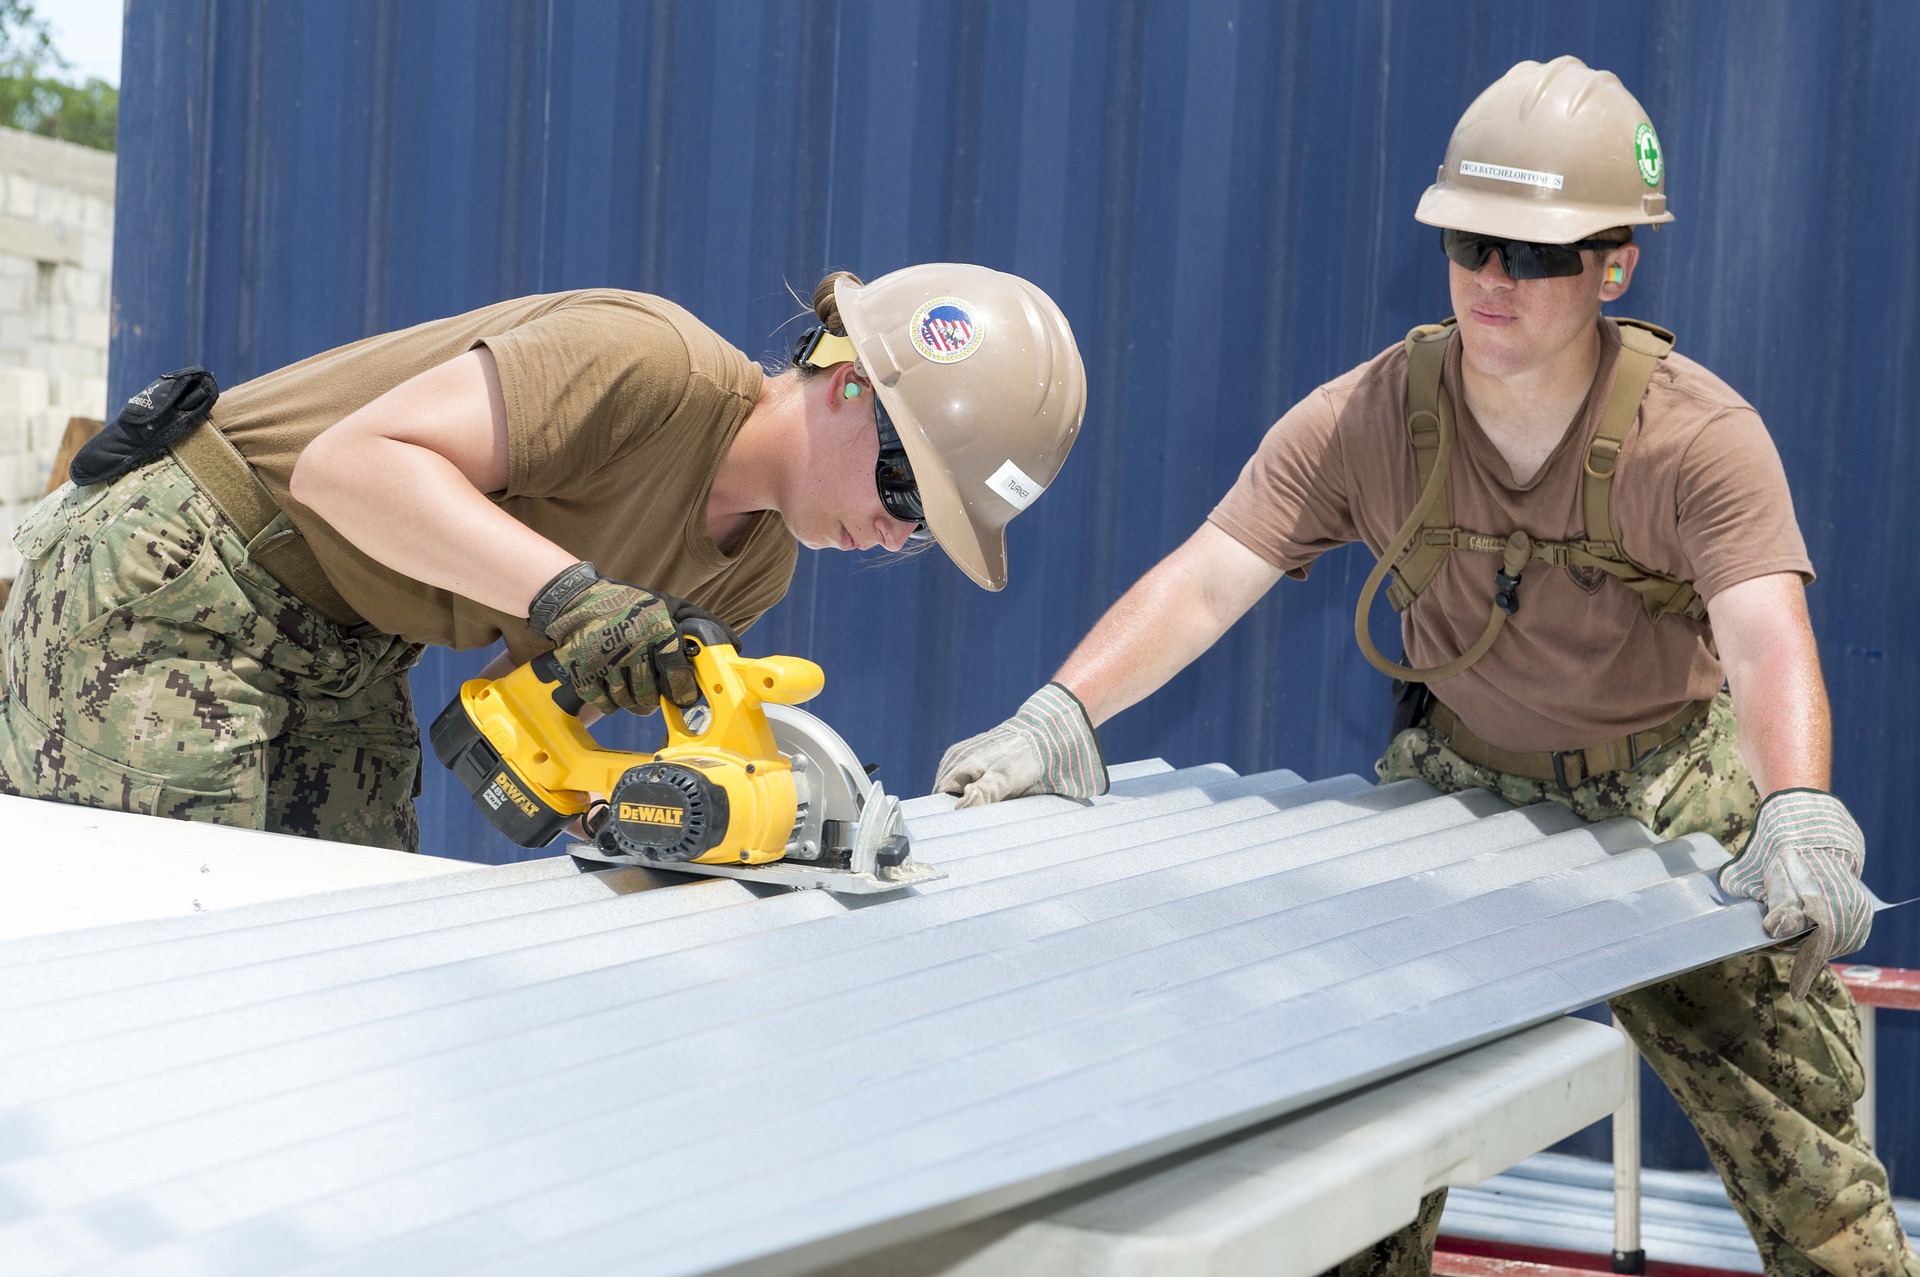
(1586, 534)
(216, 619)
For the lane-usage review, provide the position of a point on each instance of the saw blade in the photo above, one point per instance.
(848, 824)
(836, 781)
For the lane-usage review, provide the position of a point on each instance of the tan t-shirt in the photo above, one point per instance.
(1699, 495)
(619, 408)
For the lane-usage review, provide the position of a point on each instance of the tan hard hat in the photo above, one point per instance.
(979, 372)
(1552, 152)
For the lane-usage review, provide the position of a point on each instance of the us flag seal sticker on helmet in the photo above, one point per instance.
(946, 330)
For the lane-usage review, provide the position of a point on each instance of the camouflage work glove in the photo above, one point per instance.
(1803, 863)
(621, 646)
(1047, 747)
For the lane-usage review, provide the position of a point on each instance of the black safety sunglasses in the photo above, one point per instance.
(1521, 258)
(892, 473)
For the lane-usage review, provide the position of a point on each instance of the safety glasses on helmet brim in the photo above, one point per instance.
(1521, 259)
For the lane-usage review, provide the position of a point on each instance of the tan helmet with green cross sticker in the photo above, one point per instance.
(1552, 152)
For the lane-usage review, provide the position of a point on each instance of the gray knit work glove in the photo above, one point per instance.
(1047, 747)
(1803, 863)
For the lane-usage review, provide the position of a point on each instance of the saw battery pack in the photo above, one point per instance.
(506, 797)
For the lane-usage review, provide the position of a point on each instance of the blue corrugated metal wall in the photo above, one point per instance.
(1219, 194)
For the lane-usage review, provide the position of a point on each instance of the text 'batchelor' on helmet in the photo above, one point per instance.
(1552, 152)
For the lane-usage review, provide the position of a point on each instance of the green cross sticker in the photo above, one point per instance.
(1646, 149)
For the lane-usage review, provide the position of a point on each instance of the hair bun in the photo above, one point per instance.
(826, 306)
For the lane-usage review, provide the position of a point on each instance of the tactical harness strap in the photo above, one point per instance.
(1428, 536)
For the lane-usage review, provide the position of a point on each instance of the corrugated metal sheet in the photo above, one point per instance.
(509, 1072)
(1218, 193)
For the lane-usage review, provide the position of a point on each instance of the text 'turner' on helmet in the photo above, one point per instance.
(979, 372)
(1552, 152)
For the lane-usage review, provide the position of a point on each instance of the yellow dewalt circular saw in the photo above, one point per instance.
(745, 787)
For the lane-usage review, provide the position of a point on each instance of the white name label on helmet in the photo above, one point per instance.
(1501, 173)
(1012, 483)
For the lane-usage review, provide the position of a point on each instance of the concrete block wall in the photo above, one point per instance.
(56, 259)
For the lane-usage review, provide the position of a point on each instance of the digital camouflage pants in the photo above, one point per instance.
(151, 666)
(1768, 1082)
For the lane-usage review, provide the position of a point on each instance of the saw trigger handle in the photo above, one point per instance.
(706, 633)
(547, 670)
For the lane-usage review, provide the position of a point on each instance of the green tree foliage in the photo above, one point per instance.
(34, 95)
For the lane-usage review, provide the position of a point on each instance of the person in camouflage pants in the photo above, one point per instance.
(1668, 585)
(153, 667)
(1769, 1082)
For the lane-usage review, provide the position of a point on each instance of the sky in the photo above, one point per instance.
(87, 33)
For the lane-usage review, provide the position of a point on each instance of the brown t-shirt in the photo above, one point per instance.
(619, 408)
(1699, 495)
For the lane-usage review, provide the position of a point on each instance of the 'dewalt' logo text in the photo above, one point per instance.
(514, 794)
(648, 814)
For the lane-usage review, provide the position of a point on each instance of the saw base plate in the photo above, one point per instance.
(788, 873)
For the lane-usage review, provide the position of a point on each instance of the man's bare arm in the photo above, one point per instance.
(1169, 617)
(1804, 860)
(1773, 669)
(1161, 625)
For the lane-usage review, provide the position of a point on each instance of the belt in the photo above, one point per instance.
(1565, 767)
(224, 475)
